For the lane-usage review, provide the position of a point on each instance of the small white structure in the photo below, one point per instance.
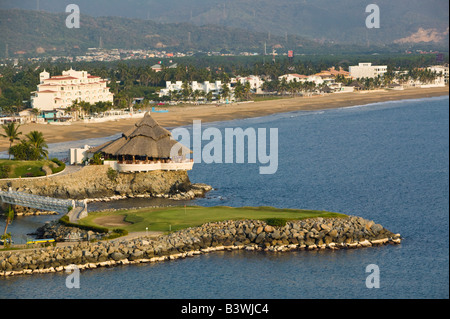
(367, 70)
(9, 119)
(78, 155)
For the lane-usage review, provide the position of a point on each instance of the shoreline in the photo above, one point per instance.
(182, 115)
(251, 235)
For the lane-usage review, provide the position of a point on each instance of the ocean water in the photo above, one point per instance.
(388, 162)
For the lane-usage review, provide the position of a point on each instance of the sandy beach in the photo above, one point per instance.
(182, 115)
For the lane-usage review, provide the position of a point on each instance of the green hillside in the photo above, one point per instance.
(33, 31)
(340, 21)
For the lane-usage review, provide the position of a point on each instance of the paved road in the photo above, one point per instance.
(69, 170)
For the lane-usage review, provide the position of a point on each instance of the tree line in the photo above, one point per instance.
(136, 78)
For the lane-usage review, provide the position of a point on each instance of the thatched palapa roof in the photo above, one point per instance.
(145, 138)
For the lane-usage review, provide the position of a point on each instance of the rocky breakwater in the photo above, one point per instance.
(310, 234)
(95, 182)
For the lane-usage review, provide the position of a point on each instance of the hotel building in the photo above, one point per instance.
(367, 70)
(59, 92)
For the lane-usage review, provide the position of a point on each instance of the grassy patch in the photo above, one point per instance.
(176, 218)
(15, 169)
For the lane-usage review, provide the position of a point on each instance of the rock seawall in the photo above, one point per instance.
(93, 182)
(309, 234)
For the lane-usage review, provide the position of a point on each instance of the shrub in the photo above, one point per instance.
(61, 166)
(57, 161)
(4, 171)
(117, 232)
(96, 159)
(23, 151)
(65, 221)
(112, 174)
(276, 221)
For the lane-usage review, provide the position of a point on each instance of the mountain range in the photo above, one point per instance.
(340, 21)
(305, 26)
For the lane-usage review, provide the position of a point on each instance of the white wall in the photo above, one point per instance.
(367, 70)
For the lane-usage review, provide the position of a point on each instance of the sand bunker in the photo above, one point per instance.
(111, 221)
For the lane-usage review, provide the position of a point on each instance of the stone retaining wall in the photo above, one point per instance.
(310, 234)
(92, 182)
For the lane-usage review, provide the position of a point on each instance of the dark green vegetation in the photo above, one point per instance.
(32, 148)
(176, 218)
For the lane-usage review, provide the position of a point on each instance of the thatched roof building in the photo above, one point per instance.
(146, 139)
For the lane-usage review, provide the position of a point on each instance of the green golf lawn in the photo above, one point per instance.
(176, 218)
(16, 168)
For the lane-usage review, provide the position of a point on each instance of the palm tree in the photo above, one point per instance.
(247, 90)
(186, 90)
(9, 218)
(196, 95)
(239, 90)
(225, 91)
(11, 132)
(209, 96)
(74, 108)
(35, 112)
(37, 141)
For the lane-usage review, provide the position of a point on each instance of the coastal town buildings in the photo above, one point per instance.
(157, 67)
(292, 77)
(443, 71)
(59, 92)
(173, 87)
(367, 70)
(314, 78)
(255, 82)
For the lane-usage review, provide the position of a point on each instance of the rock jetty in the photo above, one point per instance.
(308, 234)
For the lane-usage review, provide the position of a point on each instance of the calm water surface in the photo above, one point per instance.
(388, 162)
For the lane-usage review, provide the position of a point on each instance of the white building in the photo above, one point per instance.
(59, 92)
(440, 69)
(367, 70)
(255, 82)
(314, 78)
(293, 77)
(79, 155)
(214, 87)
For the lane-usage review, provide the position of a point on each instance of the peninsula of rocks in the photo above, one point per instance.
(253, 235)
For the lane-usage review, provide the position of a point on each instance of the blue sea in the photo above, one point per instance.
(388, 162)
